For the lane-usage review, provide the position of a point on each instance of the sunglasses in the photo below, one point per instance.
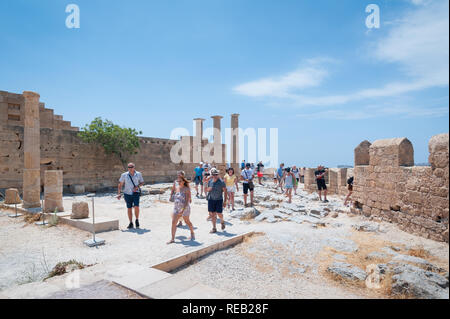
(130, 166)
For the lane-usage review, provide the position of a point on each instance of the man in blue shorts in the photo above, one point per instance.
(216, 203)
(198, 178)
(131, 182)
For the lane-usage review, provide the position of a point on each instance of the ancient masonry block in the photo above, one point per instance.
(392, 152)
(333, 181)
(438, 147)
(80, 210)
(310, 183)
(362, 153)
(12, 196)
(31, 173)
(77, 189)
(53, 191)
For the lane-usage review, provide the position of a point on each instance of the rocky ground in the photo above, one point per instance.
(307, 249)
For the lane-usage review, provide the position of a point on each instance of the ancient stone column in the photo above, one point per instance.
(53, 191)
(198, 138)
(31, 151)
(217, 139)
(234, 147)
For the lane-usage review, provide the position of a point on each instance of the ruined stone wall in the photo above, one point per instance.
(416, 198)
(81, 163)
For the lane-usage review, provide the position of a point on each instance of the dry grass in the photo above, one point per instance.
(419, 252)
(367, 243)
(32, 218)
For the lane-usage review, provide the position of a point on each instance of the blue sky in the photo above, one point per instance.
(312, 69)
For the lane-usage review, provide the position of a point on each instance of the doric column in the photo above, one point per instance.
(217, 139)
(197, 145)
(31, 151)
(234, 147)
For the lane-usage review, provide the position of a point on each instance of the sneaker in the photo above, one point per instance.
(130, 226)
(223, 226)
(214, 230)
(325, 201)
(137, 223)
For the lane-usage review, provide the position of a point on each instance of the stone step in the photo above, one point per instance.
(102, 224)
(140, 279)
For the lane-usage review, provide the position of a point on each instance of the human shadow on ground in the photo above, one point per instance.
(186, 227)
(187, 242)
(224, 233)
(139, 231)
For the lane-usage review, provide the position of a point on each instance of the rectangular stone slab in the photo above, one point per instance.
(200, 291)
(167, 287)
(102, 224)
(141, 279)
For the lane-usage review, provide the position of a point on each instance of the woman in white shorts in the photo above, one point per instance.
(231, 182)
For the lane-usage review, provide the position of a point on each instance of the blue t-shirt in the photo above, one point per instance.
(198, 171)
(280, 172)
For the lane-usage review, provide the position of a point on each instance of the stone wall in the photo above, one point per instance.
(81, 163)
(414, 197)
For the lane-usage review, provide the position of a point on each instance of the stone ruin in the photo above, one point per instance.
(389, 187)
(33, 140)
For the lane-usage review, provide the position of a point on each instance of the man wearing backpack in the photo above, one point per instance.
(131, 182)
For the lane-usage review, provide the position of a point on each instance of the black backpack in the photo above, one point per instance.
(350, 181)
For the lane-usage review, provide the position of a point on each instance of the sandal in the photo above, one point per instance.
(214, 230)
(223, 226)
(192, 236)
(170, 242)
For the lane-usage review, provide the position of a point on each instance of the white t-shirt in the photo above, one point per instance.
(247, 174)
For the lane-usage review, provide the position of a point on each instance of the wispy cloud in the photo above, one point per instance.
(417, 44)
(377, 111)
(310, 74)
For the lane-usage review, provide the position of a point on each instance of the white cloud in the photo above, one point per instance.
(417, 44)
(420, 44)
(375, 111)
(310, 75)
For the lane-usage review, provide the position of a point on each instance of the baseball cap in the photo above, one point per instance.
(214, 171)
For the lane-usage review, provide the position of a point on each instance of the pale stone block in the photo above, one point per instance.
(12, 196)
(53, 191)
(80, 210)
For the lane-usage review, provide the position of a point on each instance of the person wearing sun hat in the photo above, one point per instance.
(217, 198)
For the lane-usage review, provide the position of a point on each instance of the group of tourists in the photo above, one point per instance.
(219, 193)
(289, 178)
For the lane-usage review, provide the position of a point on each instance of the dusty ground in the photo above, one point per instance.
(288, 261)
